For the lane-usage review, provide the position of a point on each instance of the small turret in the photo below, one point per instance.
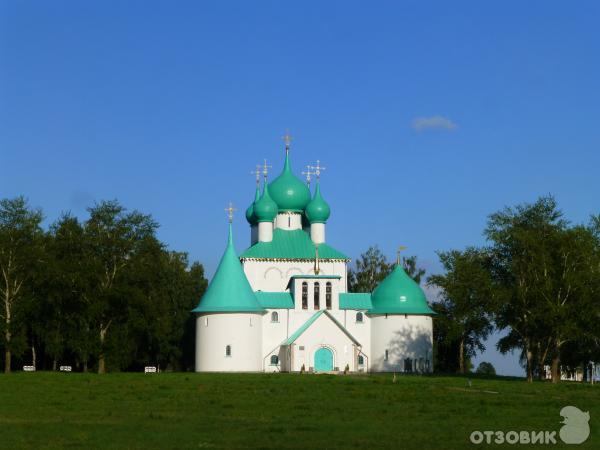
(265, 210)
(317, 211)
(250, 215)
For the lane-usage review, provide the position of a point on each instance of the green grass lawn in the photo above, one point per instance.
(185, 410)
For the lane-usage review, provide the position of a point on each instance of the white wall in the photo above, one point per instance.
(265, 231)
(361, 332)
(288, 221)
(274, 333)
(243, 331)
(323, 332)
(317, 232)
(403, 337)
(273, 276)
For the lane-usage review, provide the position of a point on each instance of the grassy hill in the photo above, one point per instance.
(184, 410)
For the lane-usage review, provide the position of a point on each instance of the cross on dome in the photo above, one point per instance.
(230, 210)
(317, 169)
(401, 248)
(287, 138)
(257, 173)
(265, 169)
(308, 174)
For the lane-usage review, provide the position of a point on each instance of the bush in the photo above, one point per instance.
(485, 368)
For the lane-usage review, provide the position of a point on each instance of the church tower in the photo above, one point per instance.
(229, 319)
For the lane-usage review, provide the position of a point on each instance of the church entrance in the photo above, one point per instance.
(323, 360)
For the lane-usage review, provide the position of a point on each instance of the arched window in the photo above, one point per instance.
(361, 360)
(328, 295)
(274, 360)
(305, 295)
(359, 317)
(228, 351)
(317, 295)
(274, 316)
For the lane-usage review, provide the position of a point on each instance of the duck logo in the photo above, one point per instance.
(575, 429)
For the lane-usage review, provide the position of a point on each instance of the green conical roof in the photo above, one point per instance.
(398, 293)
(289, 192)
(250, 216)
(265, 209)
(229, 290)
(317, 211)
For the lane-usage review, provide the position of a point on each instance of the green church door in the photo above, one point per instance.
(323, 360)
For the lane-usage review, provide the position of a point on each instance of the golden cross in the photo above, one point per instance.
(230, 211)
(257, 173)
(401, 248)
(265, 169)
(318, 169)
(287, 139)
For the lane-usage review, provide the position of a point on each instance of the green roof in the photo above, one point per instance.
(355, 301)
(309, 322)
(229, 290)
(399, 294)
(291, 244)
(275, 300)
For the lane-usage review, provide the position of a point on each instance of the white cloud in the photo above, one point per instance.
(433, 123)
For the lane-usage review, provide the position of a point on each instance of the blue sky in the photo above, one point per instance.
(428, 115)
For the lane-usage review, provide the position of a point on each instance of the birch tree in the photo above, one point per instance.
(20, 248)
(466, 298)
(113, 237)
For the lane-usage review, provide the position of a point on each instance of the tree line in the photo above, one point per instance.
(105, 294)
(98, 294)
(537, 280)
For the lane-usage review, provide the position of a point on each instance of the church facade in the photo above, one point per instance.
(284, 305)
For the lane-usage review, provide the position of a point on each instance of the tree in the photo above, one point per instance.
(64, 312)
(410, 266)
(161, 292)
(114, 236)
(568, 286)
(466, 297)
(20, 250)
(372, 267)
(486, 368)
(543, 269)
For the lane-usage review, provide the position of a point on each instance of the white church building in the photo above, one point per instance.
(283, 304)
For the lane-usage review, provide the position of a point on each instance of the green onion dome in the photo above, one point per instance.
(317, 210)
(398, 293)
(250, 216)
(289, 192)
(265, 209)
